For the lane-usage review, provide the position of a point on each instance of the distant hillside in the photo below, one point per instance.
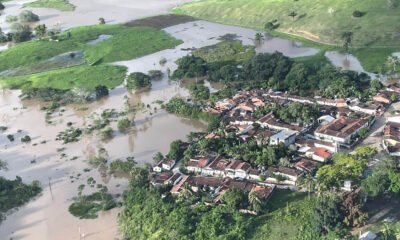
(374, 23)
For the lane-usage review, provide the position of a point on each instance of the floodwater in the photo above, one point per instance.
(100, 39)
(350, 62)
(89, 12)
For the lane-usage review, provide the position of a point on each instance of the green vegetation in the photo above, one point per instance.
(84, 77)
(225, 51)
(14, 193)
(279, 73)
(27, 16)
(62, 5)
(126, 43)
(124, 124)
(87, 206)
(138, 80)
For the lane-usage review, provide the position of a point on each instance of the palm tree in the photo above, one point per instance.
(347, 38)
(293, 14)
(186, 192)
(393, 61)
(386, 232)
(308, 182)
(255, 201)
(259, 38)
(3, 165)
(397, 233)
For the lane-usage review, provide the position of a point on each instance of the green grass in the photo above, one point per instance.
(288, 211)
(226, 51)
(62, 5)
(126, 43)
(86, 77)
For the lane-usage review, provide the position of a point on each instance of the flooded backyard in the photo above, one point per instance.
(47, 217)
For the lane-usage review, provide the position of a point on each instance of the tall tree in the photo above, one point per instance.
(347, 38)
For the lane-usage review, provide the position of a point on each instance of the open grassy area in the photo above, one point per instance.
(288, 212)
(62, 5)
(126, 43)
(375, 35)
(86, 77)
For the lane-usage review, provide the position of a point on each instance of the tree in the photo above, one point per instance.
(3, 165)
(2, 7)
(40, 30)
(20, 33)
(27, 16)
(308, 182)
(366, 151)
(138, 80)
(292, 14)
(259, 38)
(255, 201)
(347, 38)
(101, 91)
(124, 124)
(393, 61)
(158, 157)
(327, 213)
(234, 198)
(102, 20)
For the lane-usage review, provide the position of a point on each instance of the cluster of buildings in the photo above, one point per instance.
(341, 123)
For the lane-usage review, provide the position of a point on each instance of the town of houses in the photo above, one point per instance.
(340, 127)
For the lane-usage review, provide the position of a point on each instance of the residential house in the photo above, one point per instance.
(174, 179)
(383, 97)
(161, 179)
(216, 168)
(341, 130)
(368, 108)
(197, 164)
(158, 167)
(254, 174)
(306, 165)
(237, 169)
(168, 164)
(286, 137)
(176, 189)
(291, 175)
(391, 138)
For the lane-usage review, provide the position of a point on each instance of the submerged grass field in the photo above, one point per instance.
(126, 43)
(376, 33)
(62, 5)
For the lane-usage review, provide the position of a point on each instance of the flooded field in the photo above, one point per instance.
(88, 12)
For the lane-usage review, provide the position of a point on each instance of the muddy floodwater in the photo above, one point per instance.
(89, 12)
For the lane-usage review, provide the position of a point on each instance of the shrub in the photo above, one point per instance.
(11, 18)
(20, 33)
(138, 80)
(25, 139)
(28, 16)
(124, 124)
(2, 6)
(358, 14)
